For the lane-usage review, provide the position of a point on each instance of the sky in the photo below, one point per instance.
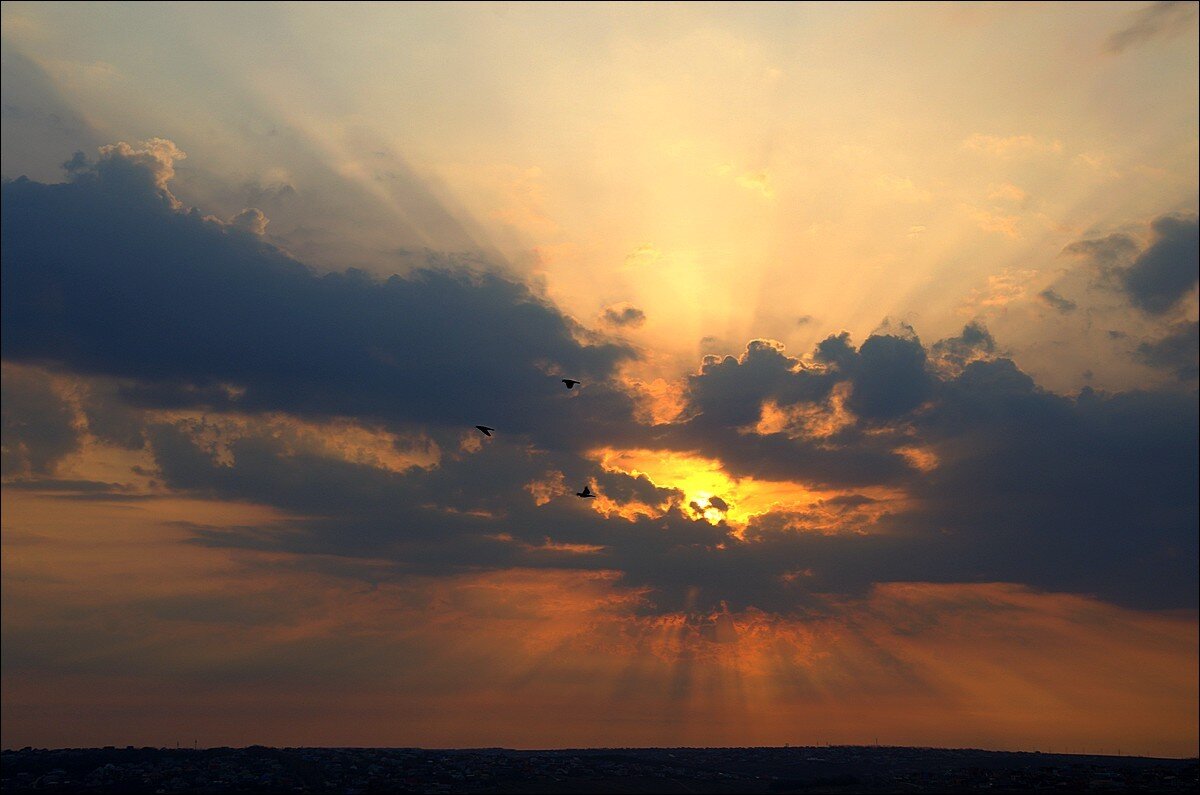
(885, 318)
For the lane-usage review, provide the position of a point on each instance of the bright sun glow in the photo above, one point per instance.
(710, 493)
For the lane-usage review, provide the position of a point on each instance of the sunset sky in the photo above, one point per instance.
(885, 318)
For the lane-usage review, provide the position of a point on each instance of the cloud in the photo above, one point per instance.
(902, 189)
(1154, 277)
(1010, 146)
(991, 221)
(1008, 477)
(1007, 192)
(38, 423)
(273, 193)
(758, 181)
(974, 343)
(889, 377)
(729, 391)
(1018, 494)
(1166, 270)
(623, 315)
(1177, 351)
(251, 220)
(1155, 21)
(255, 380)
(1057, 302)
(1107, 252)
(151, 161)
(107, 275)
(37, 124)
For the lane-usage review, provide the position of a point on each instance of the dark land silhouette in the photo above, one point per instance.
(823, 769)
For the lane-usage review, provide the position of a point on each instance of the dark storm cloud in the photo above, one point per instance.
(105, 275)
(624, 315)
(626, 488)
(1096, 494)
(848, 459)
(1165, 271)
(887, 373)
(158, 308)
(719, 504)
(850, 501)
(730, 391)
(1057, 302)
(889, 377)
(471, 512)
(1092, 495)
(1178, 351)
(1154, 278)
(1156, 20)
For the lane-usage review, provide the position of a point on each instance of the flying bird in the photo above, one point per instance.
(485, 430)
(587, 492)
(570, 382)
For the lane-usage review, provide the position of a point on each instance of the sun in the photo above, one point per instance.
(713, 514)
(708, 491)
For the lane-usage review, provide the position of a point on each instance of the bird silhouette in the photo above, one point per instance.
(587, 492)
(570, 382)
(485, 430)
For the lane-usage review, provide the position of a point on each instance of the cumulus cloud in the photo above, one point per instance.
(975, 342)
(729, 391)
(623, 315)
(151, 162)
(889, 377)
(251, 220)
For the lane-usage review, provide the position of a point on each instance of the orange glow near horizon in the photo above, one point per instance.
(991, 665)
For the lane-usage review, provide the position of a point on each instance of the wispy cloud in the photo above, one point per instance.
(1156, 21)
(1011, 145)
